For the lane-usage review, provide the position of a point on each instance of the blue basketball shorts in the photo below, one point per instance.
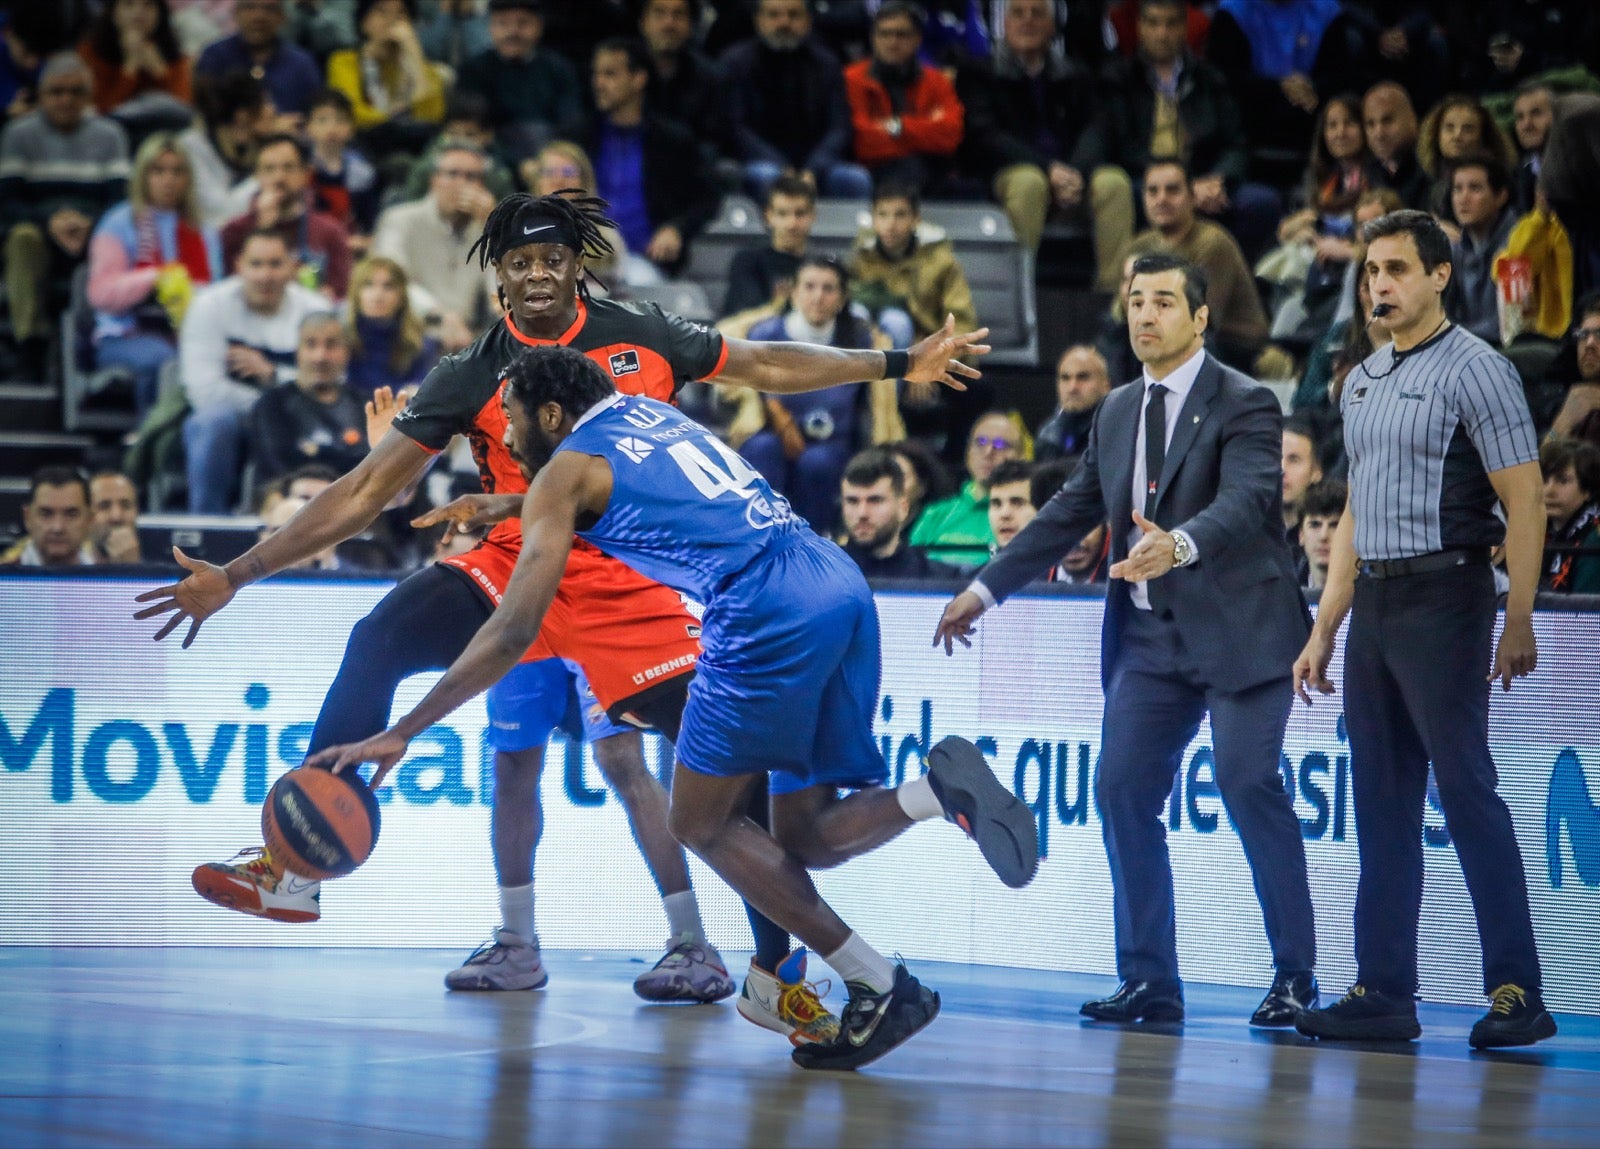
(788, 677)
(531, 700)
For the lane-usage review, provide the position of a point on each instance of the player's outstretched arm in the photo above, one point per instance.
(550, 511)
(788, 368)
(336, 513)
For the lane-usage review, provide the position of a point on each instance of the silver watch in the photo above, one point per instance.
(1182, 552)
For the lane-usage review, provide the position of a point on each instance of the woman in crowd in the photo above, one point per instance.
(1458, 126)
(562, 164)
(131, 49)
(394, 90)
(388, 346)
(147, 257)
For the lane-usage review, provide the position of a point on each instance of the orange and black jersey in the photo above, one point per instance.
(645, 350)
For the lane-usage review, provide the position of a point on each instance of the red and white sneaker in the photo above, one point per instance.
(247, 883)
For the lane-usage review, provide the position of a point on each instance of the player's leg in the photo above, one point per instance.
(887, 1005)
(524, 707)
(422, 624)
(775, 994)
(691, 969)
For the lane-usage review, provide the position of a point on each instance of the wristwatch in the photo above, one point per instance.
(1182, 552)
(894, 126)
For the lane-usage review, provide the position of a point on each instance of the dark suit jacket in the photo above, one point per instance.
(1238, 608)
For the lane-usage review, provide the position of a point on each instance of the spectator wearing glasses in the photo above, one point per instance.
(430, 239)
(562, 164)
(1578, 369)
(956, 530)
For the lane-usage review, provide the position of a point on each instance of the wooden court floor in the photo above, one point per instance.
(218, 1047)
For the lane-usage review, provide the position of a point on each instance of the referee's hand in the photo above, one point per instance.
(1311, 668)
(1517, 654)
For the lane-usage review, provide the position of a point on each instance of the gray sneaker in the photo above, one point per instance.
(504, 962)
(688, 971)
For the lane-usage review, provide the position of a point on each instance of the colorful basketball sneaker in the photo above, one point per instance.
(688, 971)
(787, 1003)
(873, 1024)
(505, 961)
(249, 884)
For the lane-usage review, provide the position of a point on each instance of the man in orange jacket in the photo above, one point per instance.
(906, 115)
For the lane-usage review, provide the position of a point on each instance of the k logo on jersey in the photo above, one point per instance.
(637, 450)
(624, 363)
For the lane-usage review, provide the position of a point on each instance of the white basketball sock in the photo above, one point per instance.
(516, 912)
(918, 800)
(857, 962)
(683, 916)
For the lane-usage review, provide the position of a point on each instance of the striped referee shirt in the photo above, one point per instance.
(1423, 428)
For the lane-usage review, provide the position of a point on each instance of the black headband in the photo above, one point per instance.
(535, 222)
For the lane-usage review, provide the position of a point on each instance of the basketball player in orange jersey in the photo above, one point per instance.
(609, 620)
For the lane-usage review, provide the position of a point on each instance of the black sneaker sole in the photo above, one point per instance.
(1538, 1028)
(1004, 828)
(841, 1055)
(1318, 1025)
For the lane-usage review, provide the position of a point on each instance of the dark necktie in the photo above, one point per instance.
(1155, 445)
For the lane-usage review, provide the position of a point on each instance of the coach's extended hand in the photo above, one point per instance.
(200, 595)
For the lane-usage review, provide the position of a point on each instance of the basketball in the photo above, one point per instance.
(319, 824)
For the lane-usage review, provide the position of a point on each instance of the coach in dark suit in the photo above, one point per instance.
(1204, 614)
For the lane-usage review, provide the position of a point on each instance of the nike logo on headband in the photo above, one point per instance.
(535, 230)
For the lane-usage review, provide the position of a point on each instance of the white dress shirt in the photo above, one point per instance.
(1178, 384)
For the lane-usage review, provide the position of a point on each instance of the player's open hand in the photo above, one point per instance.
(381, 410)
(384, 750)
(200, 595)
(957, 623)
(937, 359)
(1311, 668)
(473, 512)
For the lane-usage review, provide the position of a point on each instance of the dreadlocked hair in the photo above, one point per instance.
(585, 214)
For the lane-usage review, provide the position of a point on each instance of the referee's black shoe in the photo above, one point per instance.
(872, 1023)
(1292, 993)
(1363, 1014)
(1517, 1017)
(973, 798)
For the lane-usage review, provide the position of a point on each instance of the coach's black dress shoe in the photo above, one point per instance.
(1139, 1001)
(1291, 992)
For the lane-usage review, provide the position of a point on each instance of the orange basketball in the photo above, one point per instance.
(319, 824)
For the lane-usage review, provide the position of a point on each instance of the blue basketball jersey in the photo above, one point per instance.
(685, 509)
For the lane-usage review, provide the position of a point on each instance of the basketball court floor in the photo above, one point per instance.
(342, 1047)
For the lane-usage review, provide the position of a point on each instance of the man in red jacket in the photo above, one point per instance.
(906, 115)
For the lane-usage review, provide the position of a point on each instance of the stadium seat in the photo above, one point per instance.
(92, 399)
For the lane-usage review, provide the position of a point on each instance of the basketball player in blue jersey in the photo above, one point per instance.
(787, 681)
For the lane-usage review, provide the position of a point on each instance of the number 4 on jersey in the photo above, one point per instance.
(710, 479)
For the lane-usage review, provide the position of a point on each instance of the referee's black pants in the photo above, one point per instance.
(1416, 663)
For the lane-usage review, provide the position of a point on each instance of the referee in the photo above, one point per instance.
(1438, 432)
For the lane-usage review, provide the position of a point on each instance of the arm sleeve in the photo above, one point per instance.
(1072, 512)
(1249, 478)
(746, 288)
(695, 350)
(344, 75)
(433, 415)
(937, 135)
(835, 142)
(114, 285)
(203, 358)
(273, 436)
(1491, 405)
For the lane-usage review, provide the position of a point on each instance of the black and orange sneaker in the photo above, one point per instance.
(872, 1024)
(249, 884)
(1516, 1017)
(991, 815)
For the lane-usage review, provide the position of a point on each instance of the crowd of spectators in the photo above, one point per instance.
(268, 205)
